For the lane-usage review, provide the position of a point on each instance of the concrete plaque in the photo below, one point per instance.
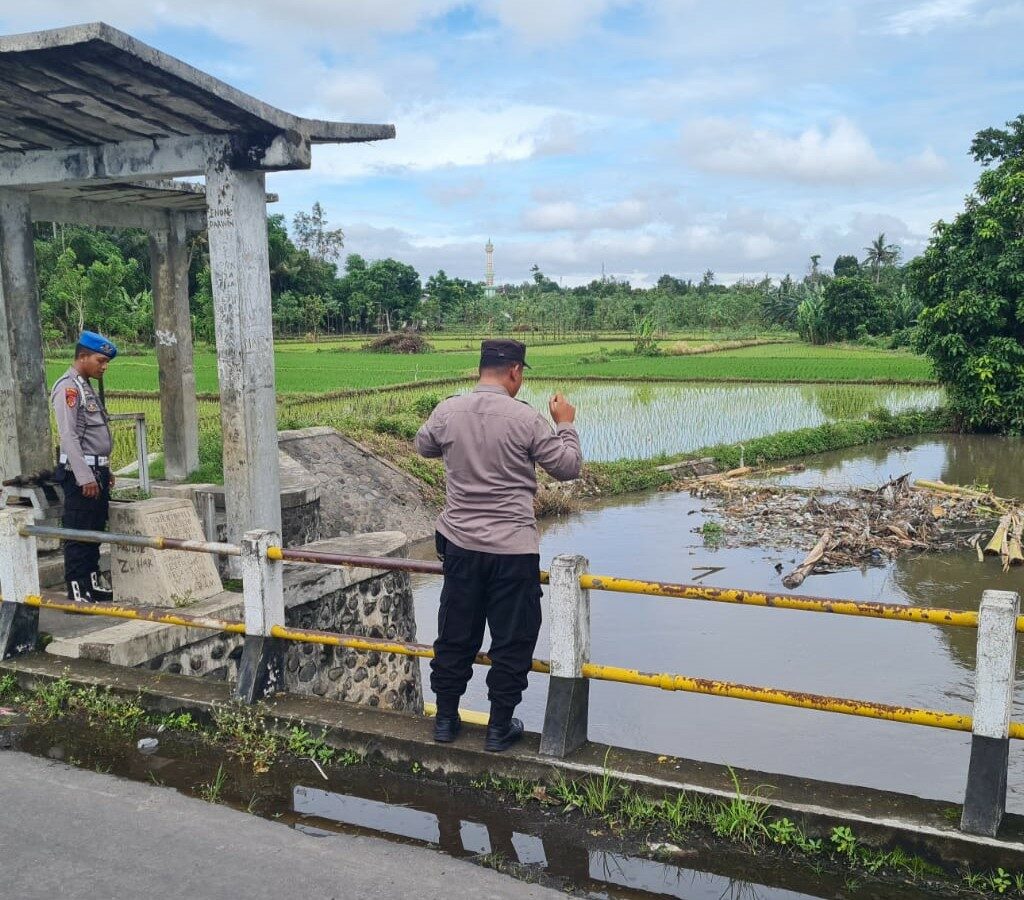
(145, 577)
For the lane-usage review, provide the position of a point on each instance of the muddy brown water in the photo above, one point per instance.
(653, 537)
(531, 842)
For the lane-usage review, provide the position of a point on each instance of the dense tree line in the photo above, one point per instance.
(99, 278)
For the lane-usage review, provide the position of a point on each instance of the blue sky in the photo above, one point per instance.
(644, 137)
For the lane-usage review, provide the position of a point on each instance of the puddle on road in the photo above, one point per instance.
(531, 843)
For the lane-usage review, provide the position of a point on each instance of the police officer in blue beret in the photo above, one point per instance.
(84, 466)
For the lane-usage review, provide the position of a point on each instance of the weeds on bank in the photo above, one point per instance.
(8, 687)
(518, 789)
(100, 706)
(243, 732)
(211, 792)
(301, 743)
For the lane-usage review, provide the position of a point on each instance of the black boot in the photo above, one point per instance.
(447, 728)
(99, 587)
(79, 591)
(501, 737)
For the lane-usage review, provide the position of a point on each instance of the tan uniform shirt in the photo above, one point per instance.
(491, 445)
(82, 423)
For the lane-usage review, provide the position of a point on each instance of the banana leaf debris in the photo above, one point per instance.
(846, 528)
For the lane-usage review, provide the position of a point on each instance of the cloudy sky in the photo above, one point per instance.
(641, 137)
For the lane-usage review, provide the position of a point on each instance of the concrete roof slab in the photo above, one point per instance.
(89, 85)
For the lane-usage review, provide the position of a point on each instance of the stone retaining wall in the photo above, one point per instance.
(364, 602)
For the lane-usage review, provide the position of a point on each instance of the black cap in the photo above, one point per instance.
(502, 351)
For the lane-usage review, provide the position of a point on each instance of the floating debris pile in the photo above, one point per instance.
(846, 528)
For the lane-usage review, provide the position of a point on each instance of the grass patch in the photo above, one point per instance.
(306, 367)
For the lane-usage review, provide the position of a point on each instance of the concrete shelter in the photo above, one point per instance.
(94, 127)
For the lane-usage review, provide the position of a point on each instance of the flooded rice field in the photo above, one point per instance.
(633, 421)
(655, 536)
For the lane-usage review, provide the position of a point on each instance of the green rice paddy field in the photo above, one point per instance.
(309, 368)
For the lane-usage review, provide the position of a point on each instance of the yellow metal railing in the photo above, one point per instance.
(594, 671)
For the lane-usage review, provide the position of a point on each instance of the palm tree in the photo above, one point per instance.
(880, 254)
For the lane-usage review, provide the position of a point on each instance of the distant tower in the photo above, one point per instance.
(489, 270)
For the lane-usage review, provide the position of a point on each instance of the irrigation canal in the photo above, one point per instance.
(653, 536)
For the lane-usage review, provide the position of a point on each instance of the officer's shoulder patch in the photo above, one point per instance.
(71, 397)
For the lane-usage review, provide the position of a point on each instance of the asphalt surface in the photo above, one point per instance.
(69, 833)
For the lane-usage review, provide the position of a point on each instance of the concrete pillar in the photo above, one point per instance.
(565, 718)
(25, 441)
(994, 674)
(261, 669)
(172, 325)
(19, 578)
(237, 223)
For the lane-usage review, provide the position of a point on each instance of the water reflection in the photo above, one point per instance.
(497, 832)
(622, 421)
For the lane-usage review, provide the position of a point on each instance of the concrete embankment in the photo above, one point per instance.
(879, 817)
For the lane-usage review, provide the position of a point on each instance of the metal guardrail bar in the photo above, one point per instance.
(131, 540)
(152, 614)
(922, 614)
(392, 563)
(929, 615)
(594, 671)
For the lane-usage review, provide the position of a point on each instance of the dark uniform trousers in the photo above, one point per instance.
(85, 514)
(502, 591)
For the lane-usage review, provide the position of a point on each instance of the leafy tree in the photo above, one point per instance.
(313, 235)
(970, 281)
(880, 255)
(810, 317)
(850, 305)
(846, 266)
(314, 308)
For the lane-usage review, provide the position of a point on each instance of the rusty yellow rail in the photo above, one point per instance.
(664, 681)
(152, 614)
(931, 615)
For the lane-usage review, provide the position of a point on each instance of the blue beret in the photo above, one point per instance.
(97, 343)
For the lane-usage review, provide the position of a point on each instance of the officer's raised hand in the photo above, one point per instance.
(561, 410)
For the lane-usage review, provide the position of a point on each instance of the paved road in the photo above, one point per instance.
(75, 834)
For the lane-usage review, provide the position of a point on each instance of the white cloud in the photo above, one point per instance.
(925, 17)
(567, 215)
(547, 21)
(841, 154)
(445, 135)
(353, 96)
(324, 21)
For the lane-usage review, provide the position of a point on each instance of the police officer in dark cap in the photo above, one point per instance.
(83, 469)
(487, 535)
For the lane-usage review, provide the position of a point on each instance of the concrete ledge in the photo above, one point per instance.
(133, 643)
(880, 817)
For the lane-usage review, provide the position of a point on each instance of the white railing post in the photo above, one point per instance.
(565, 718)
(994, 675)
(261, 669)
(19, 578)
(142, 449)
